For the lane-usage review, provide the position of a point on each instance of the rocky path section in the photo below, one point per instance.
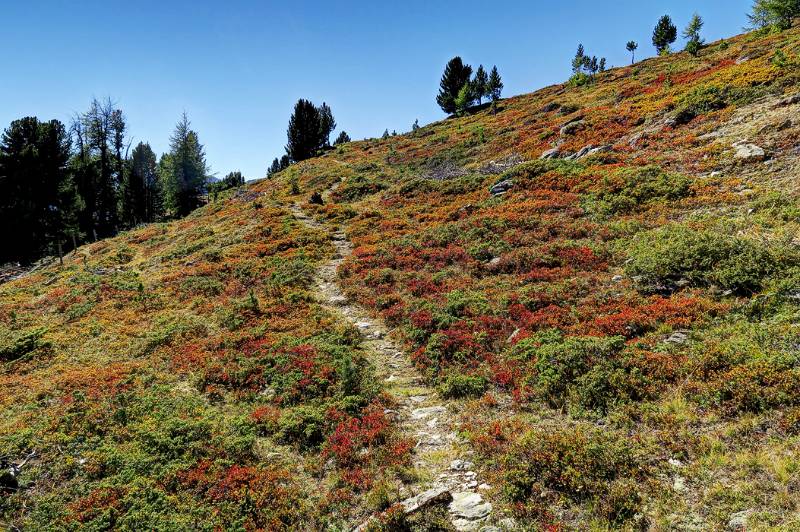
(446, 478)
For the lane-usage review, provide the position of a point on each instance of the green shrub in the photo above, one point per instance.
(303, 426)
(201, 285)
(632, 188)
(358, 186)
(663, 258)
(561, 363)
(456, 385)
(16, 345)
(699, 101)
(581, 463)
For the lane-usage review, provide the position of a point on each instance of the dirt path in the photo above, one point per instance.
(445, 474)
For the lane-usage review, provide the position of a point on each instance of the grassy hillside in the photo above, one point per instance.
(617, 331)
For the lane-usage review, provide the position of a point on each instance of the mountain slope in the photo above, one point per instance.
(614, 333)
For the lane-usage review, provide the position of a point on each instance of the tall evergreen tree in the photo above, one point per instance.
(304, 137)
(103, 128)
(664, 34)
(326, 124)
(480, 84)
(494, 87)
(456, 75)
(187, 171)
(579, 61)
(37, 199)
(141, 197)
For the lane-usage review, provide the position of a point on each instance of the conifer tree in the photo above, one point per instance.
(326, 124)
(692, 34)
(631, 47)
(142, 199)
(187, 172)
(456, 75)
(38, 204)
(494, 87)
(777, 14)
(664, 34)
(342, 138)
(480, 84)
(304, 134)
(579, 61)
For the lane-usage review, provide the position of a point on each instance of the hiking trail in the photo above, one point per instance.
(445, 477)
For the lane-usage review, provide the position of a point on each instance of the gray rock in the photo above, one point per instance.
(572, 128)
(550, 154)
(599, 149)
(469, 505)
(501, 188)
(422, 413)
(437, 495)
(747, 152)
(677, 338)
(461, 465)
(794, 99)
(550, 107)
(738, 521)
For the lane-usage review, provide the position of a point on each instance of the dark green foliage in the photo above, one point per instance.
(700, 101)
(342, 138)
(664, 258)
(633, 188)
(664, 34)
(38, 201)
(14, 346)
(309, 130)
(326, 123)
(232, 180)
(185, 174)
(142, 198)
(480, 84)
(456, 76)
(457, 385)
(578, 462)
(494, 86)
(631, 47)
(278, 165)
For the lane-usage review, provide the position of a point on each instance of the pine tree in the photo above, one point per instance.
(38, 203)
(602, 65)
(187, 172)
(579, 61)
(664, 34)
(385, 134)
(480, 84)
(777, 14)
(631, 47)
(692, 34)
(494, 87)
(326, 124)
(142, 199)
(342, 138)
(304, 137)
(456, 75)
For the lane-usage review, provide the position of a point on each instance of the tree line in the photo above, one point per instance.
(62, 186)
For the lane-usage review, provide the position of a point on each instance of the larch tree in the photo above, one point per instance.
(692, 35)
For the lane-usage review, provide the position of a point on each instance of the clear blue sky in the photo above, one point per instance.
(238, 66)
